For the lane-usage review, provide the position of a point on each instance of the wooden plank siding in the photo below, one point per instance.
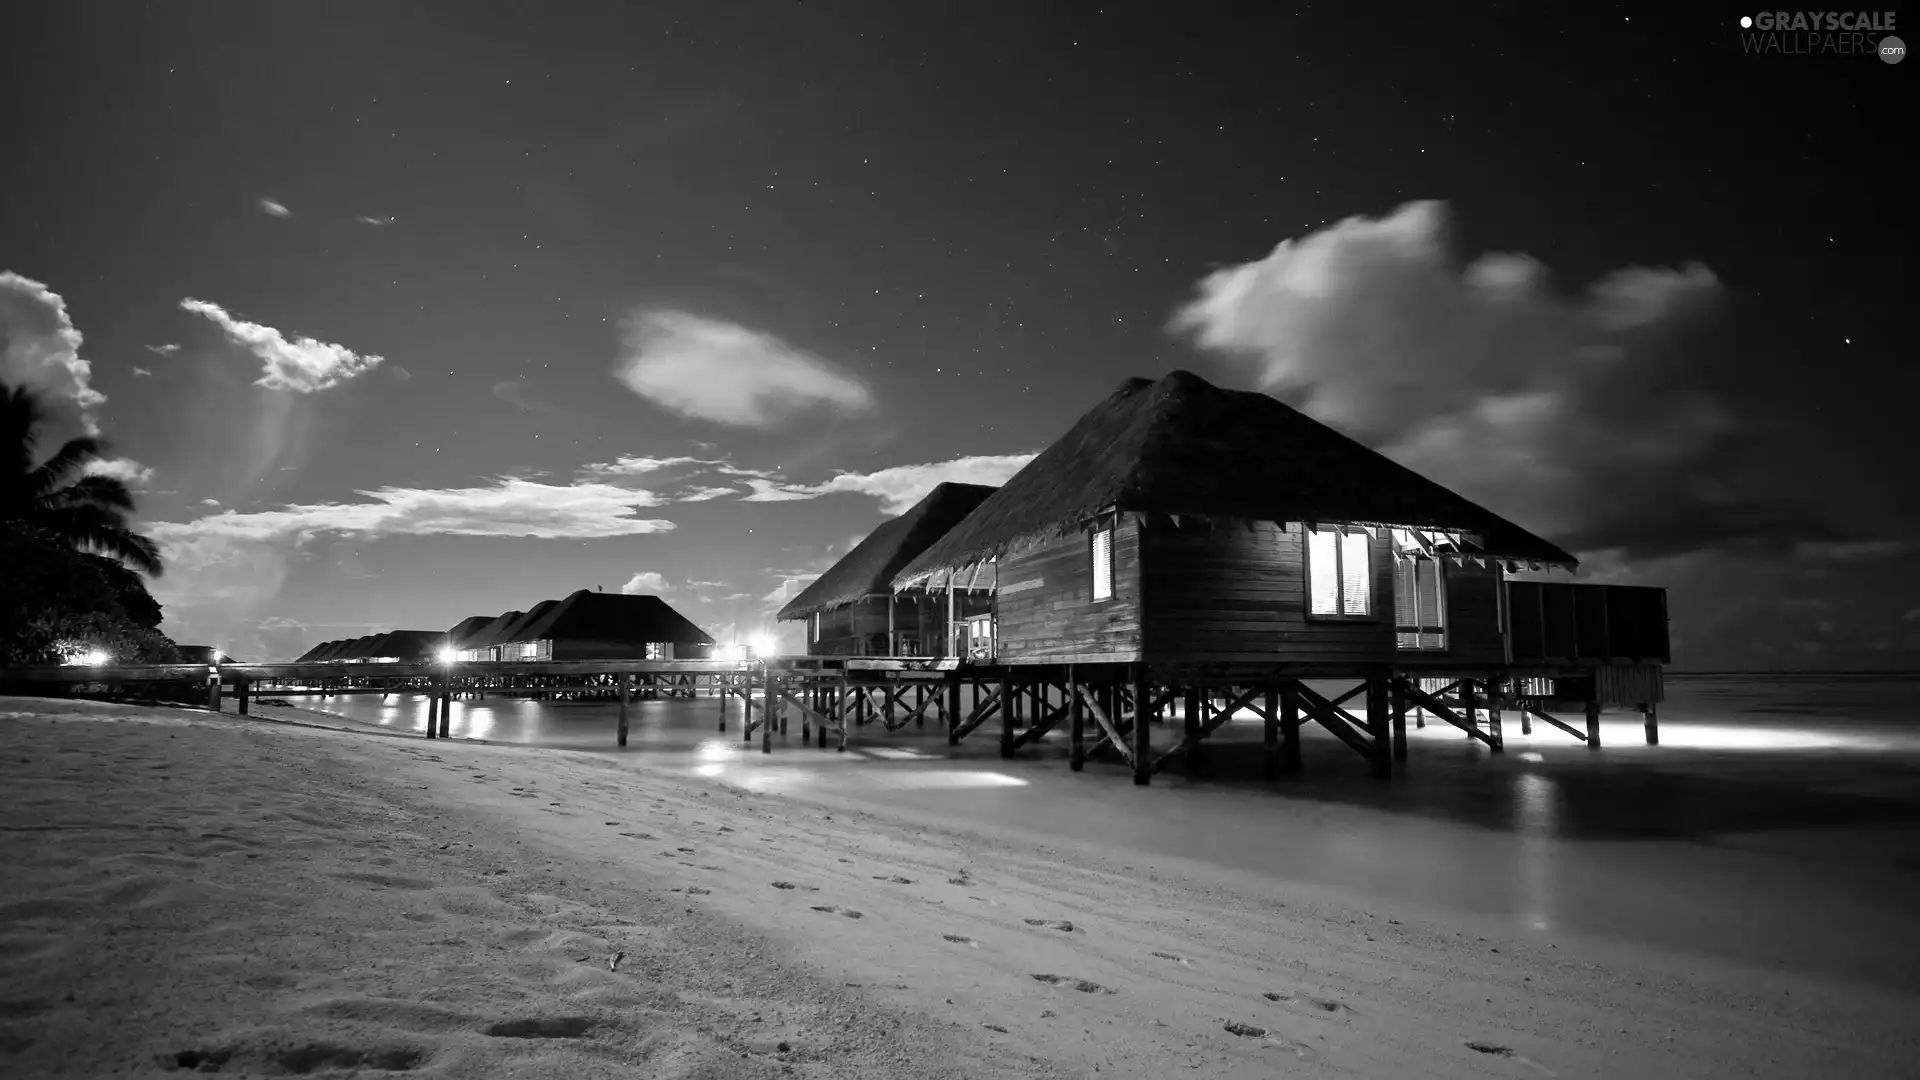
(1238, 593)
(1046, 609)
(1473, 618)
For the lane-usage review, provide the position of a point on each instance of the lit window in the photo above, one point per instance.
(1420, 620)
(1103, 564)
(1338, 573)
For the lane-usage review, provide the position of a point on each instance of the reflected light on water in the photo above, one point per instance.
(1534, 813)
(1728, 737)
(715, 750)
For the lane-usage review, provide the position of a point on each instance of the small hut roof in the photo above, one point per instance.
(309, 656)
(1184, 446)
(516, 630)
(464, 629)
(490, 633)
(405, 644)
(320, 652)
(869, 568)
(356, 648)
(609, 617)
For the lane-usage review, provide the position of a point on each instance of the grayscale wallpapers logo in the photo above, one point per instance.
(1817, 33)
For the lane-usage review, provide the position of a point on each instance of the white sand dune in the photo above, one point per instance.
(188, 891)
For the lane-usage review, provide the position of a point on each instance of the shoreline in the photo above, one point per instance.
(955, 927)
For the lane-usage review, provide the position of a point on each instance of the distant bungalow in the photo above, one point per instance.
(1185, 524)
(391, 647)
(852, 610)
(584, 626)
(483, 644)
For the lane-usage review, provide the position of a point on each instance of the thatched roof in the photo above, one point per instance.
(406, 644)
(490, 633)
(313, 654)
(354, 648)
(1184, 446)
(602, 616)
(464, 629)
(869, 568)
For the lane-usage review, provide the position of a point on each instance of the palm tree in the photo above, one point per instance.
(57, 499)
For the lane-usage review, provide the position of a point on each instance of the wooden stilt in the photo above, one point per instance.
(1076, 724)
(746, 711)
(1526, 720)
(1270, 723)
(722, 688)
(1380, 727)
(953, 710)
(1649, 712)
(766, 716)
(433, 712)
(1495, 704)
(1142, 727)
(624, 680)
(1190, 717)
(240, 688)
(1593, 723)
(213, 693)
(1398, 704)
(1007, 718)
(446, 704)
(1290, 728)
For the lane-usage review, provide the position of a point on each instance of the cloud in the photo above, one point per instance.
(514, 392)
(1585, 417)
(704, 494)
(163, 350)
(141, 373)
(274, 209)
(369, 220)
(209, 502)
(899, 487)
(628, 465)
(646, 582)
(304, 364)
(723, 372)
(123, 469)
(506, 507)
(40, 349)
(792, 584)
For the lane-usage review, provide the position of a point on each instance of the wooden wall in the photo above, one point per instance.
(1046, 609)
(592, 649)
(919, 621)
(1237, 593)
(1473, 618)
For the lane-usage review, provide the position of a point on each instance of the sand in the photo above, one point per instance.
(261, 897)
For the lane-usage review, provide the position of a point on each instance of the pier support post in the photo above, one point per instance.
(213, 692)
(1593, 723)
(433, 712)
(1270, 723)
(953, 711)
(766, 715)
(746, 712)
(1142, 727)
(624, 681)
(722, 689)
(1009, 702)
(1379, 727)
(240, 695)
(446, 704)
(1190, 710)
(1399, 706)
(1289, 729)
(1076, 724)
(1495, 693)
(1649, 712)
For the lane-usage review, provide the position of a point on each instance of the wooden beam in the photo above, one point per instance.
(1442, 710)
(623, 708)
(1101, 718)
(1342, 723)
(1077, 723)
(1142, 727)
(1199, 729)
(1555, 721)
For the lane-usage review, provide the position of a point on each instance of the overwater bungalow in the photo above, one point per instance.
(852, 610)
(590, 625)
(483, 644)
(403, 647)
(1185, 525)
(463, 632)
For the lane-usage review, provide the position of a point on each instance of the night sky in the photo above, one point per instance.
(409, 312)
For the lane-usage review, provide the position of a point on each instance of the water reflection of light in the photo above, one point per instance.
(709, 770)
(1728, 737)
(892, 754)
(478, 721)
(1533, 756)
(1534, 813)
(714, 750)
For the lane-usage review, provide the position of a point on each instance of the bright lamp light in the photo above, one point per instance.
(96, 657)
(732, 654)
(761, 644)
(447, 654)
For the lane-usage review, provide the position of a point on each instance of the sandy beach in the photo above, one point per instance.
(187, 891)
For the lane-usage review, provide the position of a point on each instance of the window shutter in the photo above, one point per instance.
(1103, 564)
(1323, 572)
(1355, 572)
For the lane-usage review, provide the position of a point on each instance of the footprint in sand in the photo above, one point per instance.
(1181, 960)
(1246, 1031)
(896, 879)
(695, 890)
(1325, 1005)
(1489, 1048)
(1277, 995)
(960, 939)
(785, 885)
(831, 910)
(557, 1027)
(1085, 986)
(640, 835)
(1061, 925)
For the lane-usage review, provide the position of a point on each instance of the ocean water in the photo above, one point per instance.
(1777, 824)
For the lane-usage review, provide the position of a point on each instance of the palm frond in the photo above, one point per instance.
(64, 463)
(105, 491)
(95, 528)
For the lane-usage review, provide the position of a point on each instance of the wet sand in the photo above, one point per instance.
(299, 899)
